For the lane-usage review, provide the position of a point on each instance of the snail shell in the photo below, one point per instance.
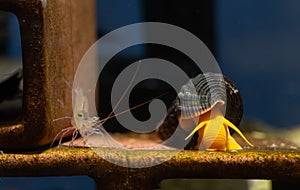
(198, 96)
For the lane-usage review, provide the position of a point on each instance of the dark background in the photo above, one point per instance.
(256, 44)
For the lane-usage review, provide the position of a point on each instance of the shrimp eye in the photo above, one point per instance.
(80, 115)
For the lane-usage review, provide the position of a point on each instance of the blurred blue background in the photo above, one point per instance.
(257, 44)
(258, 47)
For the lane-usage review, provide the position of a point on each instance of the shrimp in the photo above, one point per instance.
(88, 125)
(81, 121)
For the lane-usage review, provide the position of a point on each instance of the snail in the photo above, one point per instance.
(198, 109)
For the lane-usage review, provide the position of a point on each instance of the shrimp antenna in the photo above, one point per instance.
(68, 83)
(135, 107)
(125, 92)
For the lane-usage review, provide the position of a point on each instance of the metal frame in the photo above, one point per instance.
(275, 165)
(55, 35)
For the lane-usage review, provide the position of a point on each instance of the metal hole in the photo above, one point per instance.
(11, 86)
(48, 183)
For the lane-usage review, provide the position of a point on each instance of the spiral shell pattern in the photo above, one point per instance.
(200, 94)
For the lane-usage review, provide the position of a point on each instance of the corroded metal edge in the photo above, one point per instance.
(185, 164)
(55, 35)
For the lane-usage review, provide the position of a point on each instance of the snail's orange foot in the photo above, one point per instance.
(218, 138)
(232, 144)
(199, 126)
(230, 138)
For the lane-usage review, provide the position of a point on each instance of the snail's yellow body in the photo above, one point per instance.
(213, 133)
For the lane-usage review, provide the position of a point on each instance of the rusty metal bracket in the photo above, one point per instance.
(55, 35)
(280, 165)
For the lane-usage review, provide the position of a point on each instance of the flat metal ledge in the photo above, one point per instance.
(247, 164)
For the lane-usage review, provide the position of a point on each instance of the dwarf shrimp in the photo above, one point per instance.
(88, 125)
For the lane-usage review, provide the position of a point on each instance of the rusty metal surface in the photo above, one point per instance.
(265, 161)
(55, 35)
(187, 164)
